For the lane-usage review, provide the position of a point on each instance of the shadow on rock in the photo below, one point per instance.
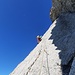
(63, 35)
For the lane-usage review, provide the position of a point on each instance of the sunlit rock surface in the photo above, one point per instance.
(43, 60)
(55, 54)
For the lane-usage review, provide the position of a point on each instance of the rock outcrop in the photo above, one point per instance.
(61, 6)
(55, 54)
(43, 60)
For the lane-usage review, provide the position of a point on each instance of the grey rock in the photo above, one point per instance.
(55, 54)
(60, 6)
(43, 59)
(72, 71)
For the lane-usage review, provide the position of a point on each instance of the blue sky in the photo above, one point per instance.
(20, 22)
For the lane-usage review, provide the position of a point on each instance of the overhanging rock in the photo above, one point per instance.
(61, 6)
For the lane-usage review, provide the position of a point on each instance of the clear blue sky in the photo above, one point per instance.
(20, 22)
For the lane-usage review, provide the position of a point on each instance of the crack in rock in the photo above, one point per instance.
(33, 63)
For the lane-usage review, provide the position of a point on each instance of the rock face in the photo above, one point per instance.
(43, 60)
(61, 6)
(55, 54)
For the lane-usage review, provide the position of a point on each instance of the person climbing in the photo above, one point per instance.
(39, 38)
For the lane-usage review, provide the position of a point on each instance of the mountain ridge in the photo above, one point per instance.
(55, 54)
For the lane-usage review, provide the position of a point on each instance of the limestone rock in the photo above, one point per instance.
(60, 6)
(55, 54)
(43, 60)
(72, 71)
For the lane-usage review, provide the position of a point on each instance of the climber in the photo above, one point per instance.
(39, 38)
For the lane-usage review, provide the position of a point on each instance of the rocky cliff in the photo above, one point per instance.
(61, 6)
(54, 55)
